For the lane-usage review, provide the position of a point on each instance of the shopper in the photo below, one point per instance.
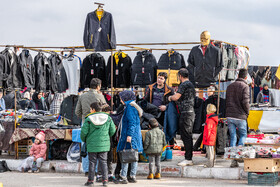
(38, 102)
(266, 96)
(153, 146)
(83, 107)
(130, 131)
(37, 154)
(185, 99)
(96, 132)
(237, 109)
(2, 101)
(210, 134)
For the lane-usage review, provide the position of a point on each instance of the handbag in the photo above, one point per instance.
(128, 155)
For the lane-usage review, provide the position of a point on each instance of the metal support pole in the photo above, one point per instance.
(15, 116)
(219, 89)
(112, 79)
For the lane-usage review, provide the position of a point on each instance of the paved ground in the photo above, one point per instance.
(16, 179)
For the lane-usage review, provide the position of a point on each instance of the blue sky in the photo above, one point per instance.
(255, 23)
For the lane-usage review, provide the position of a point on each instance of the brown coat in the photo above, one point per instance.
(237, 100)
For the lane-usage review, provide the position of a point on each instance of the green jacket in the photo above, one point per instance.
(96, 132)
(154, 141)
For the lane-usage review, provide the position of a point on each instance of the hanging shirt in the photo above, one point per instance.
(158, 96)
(2, 104)
(72, 69)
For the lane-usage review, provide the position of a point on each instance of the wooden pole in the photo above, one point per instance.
(15, 116)
(112, 79)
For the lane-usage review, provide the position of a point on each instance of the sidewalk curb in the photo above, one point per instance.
(196, 171)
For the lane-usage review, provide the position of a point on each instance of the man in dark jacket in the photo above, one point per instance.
(237, 109)
(185, 99)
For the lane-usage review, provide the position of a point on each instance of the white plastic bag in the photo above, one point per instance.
(73, 154)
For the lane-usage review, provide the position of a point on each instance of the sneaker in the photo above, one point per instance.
(133, 180)
(121, 181)
(105, 183)
(150, 176)
(37, 171)
(111, 179)
(157, 176)
(89, 183)
(234, 164)
(98, 179)
(129, 179)
(186, 163)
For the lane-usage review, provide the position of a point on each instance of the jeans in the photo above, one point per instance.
(241, 127)
(132, 172)
(119, 166)
(157, 163)
(109, 163)
(186, 121)
(102, 158)
(30, 161)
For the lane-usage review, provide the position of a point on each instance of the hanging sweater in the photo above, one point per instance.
(40, 62)
(27, 68)
(72, 69)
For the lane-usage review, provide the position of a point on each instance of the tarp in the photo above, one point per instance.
(266, 121)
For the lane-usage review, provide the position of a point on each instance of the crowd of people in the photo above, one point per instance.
(98, 131)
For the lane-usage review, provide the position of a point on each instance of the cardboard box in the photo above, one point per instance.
(68, 134)
(143, 132)
(262, 165)
(25, 142)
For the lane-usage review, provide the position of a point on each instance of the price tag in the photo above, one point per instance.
(99, 30)
(117, 72)
(143, 70)
(92, 72)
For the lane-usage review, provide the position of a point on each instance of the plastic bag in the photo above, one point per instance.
(73, 154)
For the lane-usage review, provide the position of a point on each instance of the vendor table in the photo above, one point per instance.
(23, 133)
(265, 120)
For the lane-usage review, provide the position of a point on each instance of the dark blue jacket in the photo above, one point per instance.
(171, 121)
(130, 127)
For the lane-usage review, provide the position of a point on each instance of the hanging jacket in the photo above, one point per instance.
(213, 99)
(27, 68)
(232, 63)
(40, 63)
(2, 74)
(93, 67)
(58, 77)
(99, 35)
(67, 110)
(144, 69)
(199, 118)
(210, 130)
(122, 70)
(171, 62)
(12, 76)
(203, 69)
(225, 62)
(96, 132)
(171, 119)
(72, 69)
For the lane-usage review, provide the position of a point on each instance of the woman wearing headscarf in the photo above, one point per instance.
(265, 96)
(38, 102)
(130, 133)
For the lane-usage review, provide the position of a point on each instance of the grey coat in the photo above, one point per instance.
(84, 102)
(271, 98)
(99, 35)
(154, 141)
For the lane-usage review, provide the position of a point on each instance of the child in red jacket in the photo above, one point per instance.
(210, 133)
(37, 154)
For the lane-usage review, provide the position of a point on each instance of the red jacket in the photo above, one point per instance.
(210, 129)
(38, 150)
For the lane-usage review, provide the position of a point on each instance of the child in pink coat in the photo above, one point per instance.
(37, 154)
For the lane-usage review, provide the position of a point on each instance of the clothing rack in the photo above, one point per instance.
(131, 46)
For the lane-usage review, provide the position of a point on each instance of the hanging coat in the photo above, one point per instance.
(204, 69)
(27, 68)
(40, 63)
(122, 70)
(171, 120)
(99, 35)
(2, 74)
(144, 69)
(93, 67)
